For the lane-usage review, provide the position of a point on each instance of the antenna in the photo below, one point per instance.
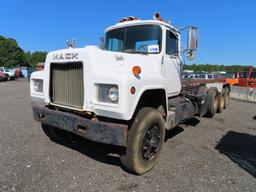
(71, 43)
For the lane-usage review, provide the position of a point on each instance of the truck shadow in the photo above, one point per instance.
(104, 153)
(241, 149)
(173, 132)
(177, 130)
(254, 117)
(193, 121)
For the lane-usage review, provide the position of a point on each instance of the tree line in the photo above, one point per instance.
(210, 68)
(11, 55)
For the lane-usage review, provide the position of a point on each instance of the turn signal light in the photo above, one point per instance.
(136, 70)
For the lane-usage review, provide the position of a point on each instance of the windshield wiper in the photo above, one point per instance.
(135, 51)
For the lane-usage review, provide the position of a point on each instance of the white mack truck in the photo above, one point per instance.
(127, 93)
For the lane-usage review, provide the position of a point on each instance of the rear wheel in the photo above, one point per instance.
(221, 101)
(213, 103)
(145, 140)
(202, 89)
(227, 97)
(54, 133)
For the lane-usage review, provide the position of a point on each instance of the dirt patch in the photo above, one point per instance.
(219, 120)
(128, 187)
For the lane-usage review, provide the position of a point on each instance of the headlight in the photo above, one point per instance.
(108, 93)
(38, 85)
(113, 94)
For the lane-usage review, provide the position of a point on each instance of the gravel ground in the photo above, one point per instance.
(217, 154)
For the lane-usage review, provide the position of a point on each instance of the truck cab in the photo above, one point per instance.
(248, 78)
(156, 40)
(128, 92)
(153, 46)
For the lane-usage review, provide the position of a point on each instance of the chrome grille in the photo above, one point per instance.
(67, 84)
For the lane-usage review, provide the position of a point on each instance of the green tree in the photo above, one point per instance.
(197, 68)
(11, 54)
(36, 57)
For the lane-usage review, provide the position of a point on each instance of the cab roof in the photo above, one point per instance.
(141, 22)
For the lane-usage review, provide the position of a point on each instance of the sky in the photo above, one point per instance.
(227, 28)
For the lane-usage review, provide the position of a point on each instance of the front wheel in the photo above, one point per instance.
(145, 140)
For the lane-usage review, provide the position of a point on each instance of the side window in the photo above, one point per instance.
(115, 41)
(171, 43)
(115, 44)
(1, 69)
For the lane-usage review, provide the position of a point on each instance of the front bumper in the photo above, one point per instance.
(103, 132)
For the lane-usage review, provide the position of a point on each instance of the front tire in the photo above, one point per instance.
(145, 140)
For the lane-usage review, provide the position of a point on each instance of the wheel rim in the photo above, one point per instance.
(222, 101)
(215, 104)
(150, 142)
(228, 97)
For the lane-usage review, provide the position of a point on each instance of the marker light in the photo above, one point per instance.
(133, 90)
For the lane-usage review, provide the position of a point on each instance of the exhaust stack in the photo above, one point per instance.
(158, 17)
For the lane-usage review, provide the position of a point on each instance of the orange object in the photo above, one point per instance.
(245, 78)
(232, 82)
(136, 70)
(248, 78)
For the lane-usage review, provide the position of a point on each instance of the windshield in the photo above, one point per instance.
(244, 74)
(253, 74)
(136, 39)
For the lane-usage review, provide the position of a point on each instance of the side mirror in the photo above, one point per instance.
(102, 42)
(192, 38)
(192, 42)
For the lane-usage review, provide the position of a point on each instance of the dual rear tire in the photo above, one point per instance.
(217, 101)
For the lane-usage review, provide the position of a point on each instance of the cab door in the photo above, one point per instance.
(243, 79)
(252, 79)
(172, 64)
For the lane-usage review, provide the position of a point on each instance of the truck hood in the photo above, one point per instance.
(106, 68)
(101, 62)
